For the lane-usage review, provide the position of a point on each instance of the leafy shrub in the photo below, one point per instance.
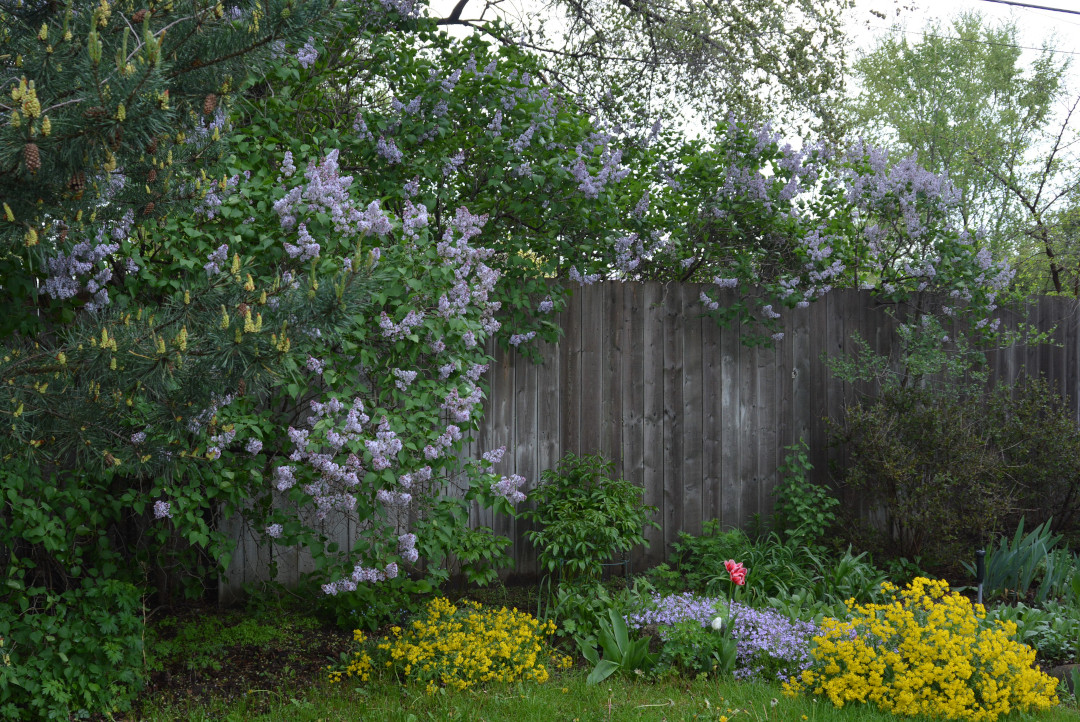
(802, 511)
(585, 517)
(460, 646)
(926, 652)
(950, 469)
(70, 653)
(576, 608)
(924, 459)
(1034, 428)
(372, 607)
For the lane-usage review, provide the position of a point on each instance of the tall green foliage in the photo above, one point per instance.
(962, 98)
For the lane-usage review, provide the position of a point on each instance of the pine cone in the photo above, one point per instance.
(152, 148)
(63, 234)
(32, 157)
(209, 104)
(139, 16)
(114, 145)
(148, 209)
(152, 175)
(77, 182)
(241, 388)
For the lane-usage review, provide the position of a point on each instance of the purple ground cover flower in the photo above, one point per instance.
(770, 645)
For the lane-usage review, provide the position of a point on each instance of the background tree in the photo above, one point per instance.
(756, 59)
(109, 109)
(965, 103)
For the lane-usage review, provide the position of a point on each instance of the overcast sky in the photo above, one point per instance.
(864, 27)
(1035, 26)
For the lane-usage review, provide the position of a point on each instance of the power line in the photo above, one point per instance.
(1036, 7)
(977, 42)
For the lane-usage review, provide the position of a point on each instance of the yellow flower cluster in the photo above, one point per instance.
(928, 652)
(359, 666)
(459, 646)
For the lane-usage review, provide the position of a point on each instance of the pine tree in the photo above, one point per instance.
(109, 108)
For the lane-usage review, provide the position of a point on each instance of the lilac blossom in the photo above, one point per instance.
(545, 306)
(509, 488)
(495, 455)
(307, 55)
(388, 149)
(162, 510)
(404, 379)
(519, 338)
(284, 478)
(216, 259)
(274, 531)
(407, 548)
(287, 167)
(253, 446)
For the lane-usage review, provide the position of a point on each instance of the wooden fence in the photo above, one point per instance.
(683, 409)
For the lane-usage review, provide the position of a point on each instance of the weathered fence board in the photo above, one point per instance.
(681, 407)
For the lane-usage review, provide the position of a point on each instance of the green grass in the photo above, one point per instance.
(563, 698)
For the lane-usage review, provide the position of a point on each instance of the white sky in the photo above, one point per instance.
(1035, 26)
(864, 28)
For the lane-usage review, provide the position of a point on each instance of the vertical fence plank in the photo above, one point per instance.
(692, 409)
(731, 449)
(591, 370)
(525, 454)
(748, 480)
(653, 415)
(818, 389)
(674, 462)
(712, 407)
(570, 375)
(614, 347)
(632, 364)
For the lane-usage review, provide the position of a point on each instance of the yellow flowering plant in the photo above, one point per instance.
(459, 646)
(927, 651)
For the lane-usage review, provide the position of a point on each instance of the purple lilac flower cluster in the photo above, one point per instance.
(64, 271)
(768, 642)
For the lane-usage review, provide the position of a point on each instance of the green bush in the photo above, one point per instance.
(1034, 429)
(70, 653)
(950, 470)
(803, 511)
(585, 517)
(925, 460)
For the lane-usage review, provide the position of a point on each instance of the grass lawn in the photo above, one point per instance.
(563, 698)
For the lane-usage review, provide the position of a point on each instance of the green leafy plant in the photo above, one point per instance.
(802, 511)
(696, 650)
(585, 517)
(621, 653)
(1013, 565)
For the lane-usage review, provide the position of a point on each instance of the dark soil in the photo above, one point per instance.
(187, 672)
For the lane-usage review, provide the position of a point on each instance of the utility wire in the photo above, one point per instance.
(977, 42)
(1036, 7)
